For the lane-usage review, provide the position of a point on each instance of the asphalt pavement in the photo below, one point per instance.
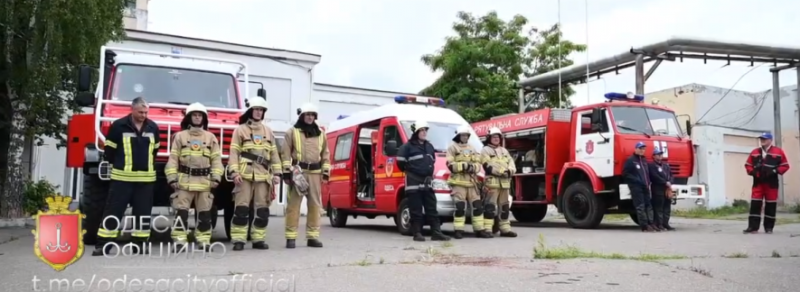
(369, 255)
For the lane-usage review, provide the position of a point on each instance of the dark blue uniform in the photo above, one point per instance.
(661, 175)
(416, 159)
(636, 174)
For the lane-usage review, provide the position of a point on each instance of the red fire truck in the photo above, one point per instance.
(170, 81)
(573, 158)
(364, 178)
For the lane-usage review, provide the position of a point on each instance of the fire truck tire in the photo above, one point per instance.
(582, 208)
(403, 218)
(531, 214)
(92, 205)
(337, 217)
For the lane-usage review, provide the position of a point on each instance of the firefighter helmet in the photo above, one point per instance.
(307, 108)
(195, 107)
(419, 125)
(494, 131)
(257, 101)
(464, 129)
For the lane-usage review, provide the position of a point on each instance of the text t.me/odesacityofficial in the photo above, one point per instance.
(239, 282)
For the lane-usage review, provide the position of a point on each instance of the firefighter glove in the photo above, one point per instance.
(470, 168)
(489, 169)
(325, 177)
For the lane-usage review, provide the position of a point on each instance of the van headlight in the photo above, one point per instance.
(440, 185)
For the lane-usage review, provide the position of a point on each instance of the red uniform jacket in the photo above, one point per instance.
(765, 168)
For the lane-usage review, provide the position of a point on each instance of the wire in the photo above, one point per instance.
(755, 114)
(727, 92)
(559, 53)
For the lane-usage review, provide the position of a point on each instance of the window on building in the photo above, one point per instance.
(344, 145)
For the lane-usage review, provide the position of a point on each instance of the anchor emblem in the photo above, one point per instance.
(58, 246)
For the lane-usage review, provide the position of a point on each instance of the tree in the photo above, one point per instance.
(43, 41)
(548, 52)
(482, 63)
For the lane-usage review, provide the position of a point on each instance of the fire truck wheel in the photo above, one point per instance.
(403, 218)
(337, 217)
(92, 204)
(582, 208)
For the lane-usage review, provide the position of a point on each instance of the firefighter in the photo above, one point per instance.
(255, 167)
(499, 166)
(636, 175)
(130, 149)
(306, 165)
(661, 191)
(464, 163)
(193, 169)
(416, 158)
(765, 164)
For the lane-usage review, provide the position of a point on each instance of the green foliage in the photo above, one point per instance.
(545, 56)
(35, 195)
(45, 41)
(482, 63)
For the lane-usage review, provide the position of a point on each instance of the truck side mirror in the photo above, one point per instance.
(597, 120)
(84, 78)
(390, 148)
(84, 99)
(262, 93)
(688, 128)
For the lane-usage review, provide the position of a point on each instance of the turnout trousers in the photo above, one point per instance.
(120, 194)
(462, 196)
(767, 197)
(260, 193)
(497, 206)
(313, 206)
(182, 202)
(642, 204)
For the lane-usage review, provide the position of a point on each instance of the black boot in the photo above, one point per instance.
(669, 228)
(508, 234)
(483, 234)
(290, 243)
(459, 234)
(439, 236)
(260, 245)
(419, 237)
(102, 249)
(416, 231)
(313, 242)
(238, 246)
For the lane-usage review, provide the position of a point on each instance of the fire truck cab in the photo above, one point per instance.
(169, 82)
(573, 158)
(365, 179)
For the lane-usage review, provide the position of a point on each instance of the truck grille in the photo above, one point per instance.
(675, 168)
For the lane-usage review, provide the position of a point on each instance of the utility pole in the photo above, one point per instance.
(776, 103)
(639, 74)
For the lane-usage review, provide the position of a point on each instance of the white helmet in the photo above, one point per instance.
(196, 107)
(495, 131)
(418, 125)
(464, 129)
(257, 101)
(307, 108)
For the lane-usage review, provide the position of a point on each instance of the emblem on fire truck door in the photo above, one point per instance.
(389, 166)
(58, 234)
(589, 147)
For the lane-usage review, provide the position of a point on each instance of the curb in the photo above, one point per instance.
(17, 222)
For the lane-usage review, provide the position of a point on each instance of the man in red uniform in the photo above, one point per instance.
(765, 164)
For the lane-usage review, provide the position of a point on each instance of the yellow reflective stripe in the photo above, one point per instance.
(235, 146)
(488, 223)
(107, 233)
(150, 154)
(111, 144)
(215, 154)
(477, 223)
(258, 234)
(170, 170)
(140, 233)
(298, 144)
(189, 152)
(238, 233)
(312, 234)
(133, 176)
(458, 222)
(203, 237)
(216, 171)
(126, 142)
(290, 234)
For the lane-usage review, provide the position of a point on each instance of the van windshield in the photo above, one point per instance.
(441, 135)
(176, 86)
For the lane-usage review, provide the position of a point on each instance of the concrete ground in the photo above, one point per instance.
(370, 256)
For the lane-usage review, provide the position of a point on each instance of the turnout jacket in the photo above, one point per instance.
(131, 152)
(499, 166)
(254, 153)
(416, 158)
(310, 153)
(635, 172)
(195, 160)
(765, 165)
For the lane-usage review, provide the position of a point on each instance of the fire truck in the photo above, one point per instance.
(169, 81)
(573, 158)
(365, 180)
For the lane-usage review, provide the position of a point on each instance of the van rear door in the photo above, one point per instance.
(343, 177)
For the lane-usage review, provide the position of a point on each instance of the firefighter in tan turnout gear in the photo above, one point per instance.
(255, 167)
(194, 168)
(464, 163)
(499, 166)
(306, 164)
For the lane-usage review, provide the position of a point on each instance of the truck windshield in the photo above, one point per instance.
(640, 120)
(176, 86)
(441, 135)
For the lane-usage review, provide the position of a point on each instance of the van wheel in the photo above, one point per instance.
(92, 204)
(582, 208)
(403, 218)
(635, 218)
(337, 217)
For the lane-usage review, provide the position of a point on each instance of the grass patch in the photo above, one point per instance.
(716, 213)
(542, 251)
(447, 244)
(616, 217)
(784, 220)
(737, 255)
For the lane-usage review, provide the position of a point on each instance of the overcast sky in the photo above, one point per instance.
(378, 44)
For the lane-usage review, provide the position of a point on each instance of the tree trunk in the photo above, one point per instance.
(12, 176)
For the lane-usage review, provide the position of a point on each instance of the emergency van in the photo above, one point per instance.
(573, 158)
(365, 180)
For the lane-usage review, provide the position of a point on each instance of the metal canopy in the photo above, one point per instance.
(671, 49)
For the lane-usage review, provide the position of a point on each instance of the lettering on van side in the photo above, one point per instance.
(341, 165)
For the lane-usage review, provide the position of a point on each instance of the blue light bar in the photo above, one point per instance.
(615, 96)
(341, 117)
(419, 100)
